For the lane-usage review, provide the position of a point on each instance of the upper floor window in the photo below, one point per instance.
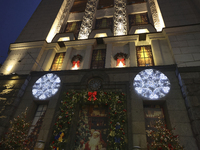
(144, 56)
(104, 23)
(138, 19)
(98, 59)
(129, 2)
(73, 27)
(79, 6)
(105, 4)
(58, 61)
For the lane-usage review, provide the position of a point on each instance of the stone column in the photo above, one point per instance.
(88, 56)
(108, 55)
(66, 58)
(88, 19)
(120, 20)
(133, 55)
(49, 59)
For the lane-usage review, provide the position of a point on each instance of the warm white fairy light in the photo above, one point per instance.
(151, 83)
(46, 86)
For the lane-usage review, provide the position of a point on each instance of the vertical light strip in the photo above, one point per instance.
(60, 22)
(120, 21)
(156, 15)
(86, 26)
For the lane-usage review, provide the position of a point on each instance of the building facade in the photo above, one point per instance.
(146, 49)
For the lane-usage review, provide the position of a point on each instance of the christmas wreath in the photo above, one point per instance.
(117, 115)
(76, 58)
(120, 56)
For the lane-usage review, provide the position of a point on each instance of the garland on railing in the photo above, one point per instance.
(117, 115)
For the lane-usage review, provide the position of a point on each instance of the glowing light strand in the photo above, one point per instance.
(151, 84)
(46, 86)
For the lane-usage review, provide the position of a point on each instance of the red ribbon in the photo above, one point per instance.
(122, 60)
(92, 94)
(76, 62)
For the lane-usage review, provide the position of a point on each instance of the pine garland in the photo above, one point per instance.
(117, 116)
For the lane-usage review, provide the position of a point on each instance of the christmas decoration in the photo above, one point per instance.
(15, 138)
(46, 86)
(117, 115)
(151, 83)
(162, 138)
(32, 137)
(120, 58)
(76, 60)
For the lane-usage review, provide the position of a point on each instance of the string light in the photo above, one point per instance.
(151, 83)
(46, 86)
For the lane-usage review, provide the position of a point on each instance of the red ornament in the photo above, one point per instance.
(106, 104)
(52, 142)
(92, 94)
(124, 110)
(111, 122)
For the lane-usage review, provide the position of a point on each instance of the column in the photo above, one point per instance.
(66, 58)
(87, 57)
(133, 54)
(49, 59)
(88, 19)
(108, 55)
(120, 21)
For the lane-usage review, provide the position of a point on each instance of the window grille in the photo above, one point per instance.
(98, 59)
(58, 61)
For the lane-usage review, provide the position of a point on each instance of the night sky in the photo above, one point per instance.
(14, 14)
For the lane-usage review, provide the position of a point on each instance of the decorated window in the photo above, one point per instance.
(120, 59)
(58, 61)
(92, 129)
(46, 86)
(73, 27)
(151, 84)
(152, 113)
(79, 6)
(105, 4)
(104, 23)
(98, 59)
(36, 125)
(129, 2)
(76, 60)
(144, 56)
(138, 19)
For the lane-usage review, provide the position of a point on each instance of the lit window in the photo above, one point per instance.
(152, 114)
(98, 59)
(73, 27)
(138, 19)
(36, 125)
(58, 61)
(144, 56)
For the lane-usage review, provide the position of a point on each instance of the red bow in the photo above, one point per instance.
(92, 94)
(76, 62)
(122, 60)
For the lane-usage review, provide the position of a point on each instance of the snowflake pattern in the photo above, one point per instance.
(46, 86)
(151, 83)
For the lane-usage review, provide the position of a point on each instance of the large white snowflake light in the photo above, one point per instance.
(46, 86)
(151, 83)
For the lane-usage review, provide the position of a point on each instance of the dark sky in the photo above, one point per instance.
(14, 14)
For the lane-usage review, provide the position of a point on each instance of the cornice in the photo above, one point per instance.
(121, 39)
(79, 43)
(27, 45)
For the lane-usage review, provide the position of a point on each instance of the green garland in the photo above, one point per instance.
(117, 113)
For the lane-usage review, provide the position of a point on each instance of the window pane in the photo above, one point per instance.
(73, 27)
(144, 56)
(135, 1)
(98, 59)
(138, 19)
(105, 23)
(57, 62)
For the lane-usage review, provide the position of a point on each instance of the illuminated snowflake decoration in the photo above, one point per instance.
(46, 86)
(151, 84)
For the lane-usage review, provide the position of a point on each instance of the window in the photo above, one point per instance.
(105, 4)
(36, 125)
(98, 59)
(129, 2)
(152, 114)
(73, 27)
(138, 19)
(58, 61)
(104, 23)
(144, 56)
(79, 6)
